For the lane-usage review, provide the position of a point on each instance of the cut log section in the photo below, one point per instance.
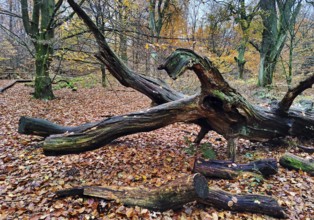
(291, 161)
(244, 203)
(179, 192)
(229, 170)
(171, 196)
(13, 83)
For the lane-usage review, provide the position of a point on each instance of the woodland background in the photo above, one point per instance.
(86, 92)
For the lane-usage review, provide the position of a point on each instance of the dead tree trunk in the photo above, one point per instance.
(217, 107)
(175, 194)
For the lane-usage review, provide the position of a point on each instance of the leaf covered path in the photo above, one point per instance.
(28, 179)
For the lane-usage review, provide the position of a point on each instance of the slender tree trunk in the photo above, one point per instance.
(122, 37)
(43, 84)
(277, 20)
(103, 76)
(123, 47)
(240, 59)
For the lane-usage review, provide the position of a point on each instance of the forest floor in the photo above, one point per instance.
(28, 179)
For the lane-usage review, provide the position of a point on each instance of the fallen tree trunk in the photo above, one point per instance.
(291, 161)
(230, 170)
(13, 83)
(175, 194)
(104, 132)
(217, 107)
(171, 196)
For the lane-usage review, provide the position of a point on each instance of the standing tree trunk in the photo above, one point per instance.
(244, 18)
(277, 19)
(103, 76)
(42, 34)
(122, 37)
(43, 84)
(240, 59)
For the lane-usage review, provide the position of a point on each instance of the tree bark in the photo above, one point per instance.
(230, 170)
(297, 163)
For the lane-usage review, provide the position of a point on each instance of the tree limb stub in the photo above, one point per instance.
(175, 194)
(230, 170)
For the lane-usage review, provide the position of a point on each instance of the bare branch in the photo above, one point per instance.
(287, 100)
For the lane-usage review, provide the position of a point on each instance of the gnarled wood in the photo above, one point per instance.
(218, 106)
(230, 170)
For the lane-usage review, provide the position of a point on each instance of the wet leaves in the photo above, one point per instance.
(28, 179)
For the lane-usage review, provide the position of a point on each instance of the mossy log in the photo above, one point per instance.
(291, 161)
(230, 170)
(175, 194)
